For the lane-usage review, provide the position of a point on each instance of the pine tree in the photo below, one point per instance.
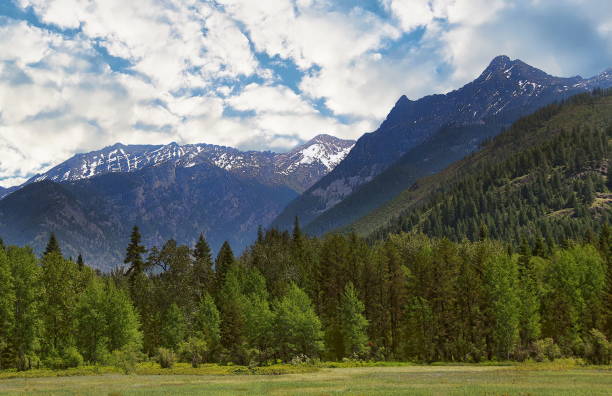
(297, 231)
(53, 245)
(225, 260)
(203, 276)
(133, 256)
(233, 326)
(80, 262)
(354, 323)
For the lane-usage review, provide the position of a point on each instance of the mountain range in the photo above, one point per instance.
(422, 137)
(92, 200)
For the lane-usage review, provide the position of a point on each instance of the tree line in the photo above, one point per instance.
(549, 192)
(290, 297)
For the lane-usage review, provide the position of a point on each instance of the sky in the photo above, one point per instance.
(78, 75)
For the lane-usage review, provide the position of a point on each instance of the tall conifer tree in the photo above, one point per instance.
(225, 260)
(202, 268)
(133, 256)
(52, 245)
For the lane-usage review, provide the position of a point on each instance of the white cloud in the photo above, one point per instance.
(188, 63)
(270, 99)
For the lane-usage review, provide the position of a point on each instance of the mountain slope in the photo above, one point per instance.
(546, 177)
(94, 216)
(450, 144)
(298, 169)
(92, 200)
(504, 91)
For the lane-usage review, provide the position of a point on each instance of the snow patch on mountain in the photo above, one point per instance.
(308, 162)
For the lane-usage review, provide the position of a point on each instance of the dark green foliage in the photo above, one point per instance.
(406, 298)
(7, 304)
(598, 348)
(25, 339)
(203, 275)
(173, 328)
(297, 325)
(519, 198)
(354, 323)
(225, 260)
(193, 350)
(543, 180)
(545, 349)
(61, 287)
(207, 325)
(53, 245)
(133, 255)
(510, 258)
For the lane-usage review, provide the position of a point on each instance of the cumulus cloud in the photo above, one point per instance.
(76, 75)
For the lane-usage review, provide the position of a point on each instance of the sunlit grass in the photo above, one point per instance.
(563, 377)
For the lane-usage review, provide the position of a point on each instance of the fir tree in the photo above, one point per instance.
(225, 260)
(52, 245)
(134, 252)
(297, 231)
(202, 268)
(80, 262)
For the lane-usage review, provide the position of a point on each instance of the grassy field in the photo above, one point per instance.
(403, 380)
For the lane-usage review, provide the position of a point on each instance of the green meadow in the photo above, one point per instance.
(559, 378)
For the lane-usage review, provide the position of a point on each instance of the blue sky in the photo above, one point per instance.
(77, 75)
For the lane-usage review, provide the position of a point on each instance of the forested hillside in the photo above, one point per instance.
(298, 299)
(422, 137)
(545, 179)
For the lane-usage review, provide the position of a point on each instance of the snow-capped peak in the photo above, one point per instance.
(318, 156)
(322, 150)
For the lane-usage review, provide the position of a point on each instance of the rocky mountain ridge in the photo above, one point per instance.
(298, 168)
(505, 91)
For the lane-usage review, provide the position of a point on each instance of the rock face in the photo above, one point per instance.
(506, 90)
(92, 200)
(298, 169)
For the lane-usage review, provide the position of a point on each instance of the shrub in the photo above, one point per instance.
(597, 349)
(27, 362)
(520, 354)
(166, 358)
(72, 358)
(126, 359)
(193, 350)
(300, 360)
(545, 349)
